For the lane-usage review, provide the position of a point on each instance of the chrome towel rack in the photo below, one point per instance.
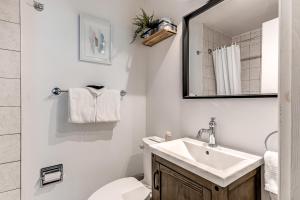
(267, 138)
(57, 91)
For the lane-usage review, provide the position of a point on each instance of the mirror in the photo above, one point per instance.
(231, 50)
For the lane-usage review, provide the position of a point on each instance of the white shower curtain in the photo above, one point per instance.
(227, 65)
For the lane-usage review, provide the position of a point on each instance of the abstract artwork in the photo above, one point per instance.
(95, 39)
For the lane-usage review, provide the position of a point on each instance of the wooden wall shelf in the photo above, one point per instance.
(158, 37)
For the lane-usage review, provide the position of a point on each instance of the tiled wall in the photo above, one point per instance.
(251, 51)
(212, 40)
(10, 100)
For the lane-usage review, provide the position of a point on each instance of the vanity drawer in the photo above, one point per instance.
(171, 185)
(171, 182)
(175, 186)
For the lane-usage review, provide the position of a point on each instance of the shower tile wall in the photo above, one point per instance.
(212, 39)
(10, 100)
(251, 47)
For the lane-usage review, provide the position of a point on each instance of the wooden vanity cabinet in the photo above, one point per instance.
(171, 182)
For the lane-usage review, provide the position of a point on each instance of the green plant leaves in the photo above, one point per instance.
(143, 22)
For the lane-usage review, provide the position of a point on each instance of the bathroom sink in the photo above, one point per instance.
(219, 165)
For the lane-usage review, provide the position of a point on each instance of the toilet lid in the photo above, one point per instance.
(122, 189)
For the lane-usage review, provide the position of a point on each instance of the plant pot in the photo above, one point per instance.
(147, 33)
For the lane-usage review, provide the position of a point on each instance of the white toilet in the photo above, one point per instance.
(130, 188)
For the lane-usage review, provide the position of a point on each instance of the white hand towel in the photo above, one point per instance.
(81, 106)
(271, 172)
(108, 106)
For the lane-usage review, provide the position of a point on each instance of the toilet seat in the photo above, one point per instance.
(122, 189)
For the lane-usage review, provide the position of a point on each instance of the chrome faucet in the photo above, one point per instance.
(211, 131)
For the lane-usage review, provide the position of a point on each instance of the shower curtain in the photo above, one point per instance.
(227, 65)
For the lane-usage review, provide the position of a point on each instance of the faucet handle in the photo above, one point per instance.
(200, 133)
(212, 122)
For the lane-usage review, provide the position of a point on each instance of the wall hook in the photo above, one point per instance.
(38, 6)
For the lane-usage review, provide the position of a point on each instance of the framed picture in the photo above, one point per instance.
(95, 39)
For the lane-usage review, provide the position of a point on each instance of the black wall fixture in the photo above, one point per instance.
(185, 58)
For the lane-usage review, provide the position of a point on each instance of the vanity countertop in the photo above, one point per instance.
(219, 165)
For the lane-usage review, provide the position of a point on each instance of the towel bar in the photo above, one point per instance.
(57, 91)
(267, 138)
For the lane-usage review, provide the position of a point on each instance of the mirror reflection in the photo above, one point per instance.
(234, 52)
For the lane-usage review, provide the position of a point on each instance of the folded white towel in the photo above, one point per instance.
(108, 105)
(271, 171)
(81, 106)
(89, 105)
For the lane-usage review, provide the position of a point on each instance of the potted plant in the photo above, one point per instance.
(145, 25)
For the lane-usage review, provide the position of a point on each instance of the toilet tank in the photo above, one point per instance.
(147, 157)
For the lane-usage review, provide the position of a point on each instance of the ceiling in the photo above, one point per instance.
(233, 17)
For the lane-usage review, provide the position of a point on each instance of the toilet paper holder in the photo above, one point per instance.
(52, 174)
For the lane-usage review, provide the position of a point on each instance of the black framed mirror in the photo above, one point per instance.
(231, 50)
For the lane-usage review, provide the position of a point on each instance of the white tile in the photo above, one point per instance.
(205, 83)
(9, 148)
(10, 64)
(205, 92)
(245, 86)
(245, 64)
(245, 52)
(10, 92)
(205, 33)
(254, 85)
(211, 45)
(9, 36)
(205, 46)
(255, 50)
(9, 120)
(209, 72)
(215, 45)
(228, 40)
(255, 62)
(217, 37)
(205, 59)
(210, 61)
(245, 74)
(255, 73)
(9, 176)
(210, 93)
(210, 35)
(11, 195)
(236, 39)
(245, 44)
(9, 10)
(224, 40)
(245, 36)
(256, 33)
(255, 92)
(211, 84)
(256, 41)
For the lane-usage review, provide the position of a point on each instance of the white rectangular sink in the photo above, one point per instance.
(219, 165)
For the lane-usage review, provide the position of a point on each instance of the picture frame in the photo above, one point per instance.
(95, 39)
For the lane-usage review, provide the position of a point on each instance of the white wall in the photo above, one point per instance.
(242, 123)
(93, 155)
(270, 51)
